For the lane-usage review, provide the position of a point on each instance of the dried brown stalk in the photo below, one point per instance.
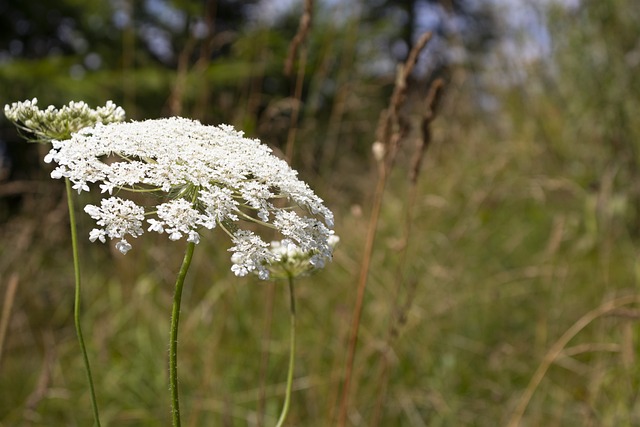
(176, 99)
(303, 30)
(128, 60)
(556, 350)
(298, 39)
(390, 132)
(432, 103)
(402, 309)
(391, 127)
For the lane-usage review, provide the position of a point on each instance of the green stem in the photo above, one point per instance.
(292, 351)
(76, 307)
(173, 344)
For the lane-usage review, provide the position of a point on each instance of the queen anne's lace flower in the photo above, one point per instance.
(177, 217)
(289, 260)
(118, 218)
(250, 253)
(52, 123)
(212, 175)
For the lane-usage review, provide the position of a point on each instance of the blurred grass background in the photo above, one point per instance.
(526, 215)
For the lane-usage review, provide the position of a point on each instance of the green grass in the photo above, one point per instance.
(525, 219)
(506, 252)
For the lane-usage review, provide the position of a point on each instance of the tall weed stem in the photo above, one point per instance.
(173, 342)
(76, 305)
(390, 133)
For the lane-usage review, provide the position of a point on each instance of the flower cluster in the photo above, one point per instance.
(212, 175)
(50, 124)
(288, 260)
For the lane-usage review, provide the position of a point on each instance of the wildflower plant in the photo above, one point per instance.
(44, 126)
(198, 178)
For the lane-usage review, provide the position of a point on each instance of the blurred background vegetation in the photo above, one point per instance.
(524, 219)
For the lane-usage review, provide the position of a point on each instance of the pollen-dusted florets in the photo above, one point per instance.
(211, 175)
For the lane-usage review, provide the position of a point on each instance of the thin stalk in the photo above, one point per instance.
(173, 342)
(298, 40)
(76, 305)
(362, 284)
(391, 132)
(401, 309)
(292, 351)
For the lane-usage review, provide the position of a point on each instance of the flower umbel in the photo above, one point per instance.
(208, 175)
(50, 124)
(118, 217)
(290, 261)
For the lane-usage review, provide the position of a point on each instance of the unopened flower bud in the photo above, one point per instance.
(378, 151)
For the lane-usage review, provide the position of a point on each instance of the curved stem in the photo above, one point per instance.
(292, 351)
(173, 343)
(76, 305)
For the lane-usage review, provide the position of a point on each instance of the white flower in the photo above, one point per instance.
(289, 260)
(49, 124)
(177, 217)
(118, 218)
(123, 246)
(155, 226)
(97, 234)
(209, 176)
(250, 253)
(219, 205)
(309, 233)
